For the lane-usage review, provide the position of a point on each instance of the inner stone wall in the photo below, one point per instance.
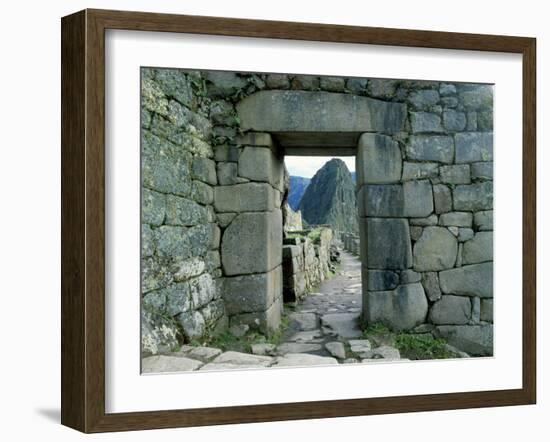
(306, 262)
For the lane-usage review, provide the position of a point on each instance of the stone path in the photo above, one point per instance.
(323, 330)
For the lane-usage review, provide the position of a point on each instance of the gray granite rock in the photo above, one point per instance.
(477, 97)
(336, 349)
(470, 280)
(438, 148)
(482, 171)
(303, 360)
(473, 339)
(401, 309)
(425, 122)
(246, 197)
(378, 160)
(251, 293)
(277, 81)
(382, 280)
(455, 310)
(473, 197)
(435, 250)
(153, 206)
(458, 219)
(453, 120)
(168, 364)
(478, 249)
(297, 347)
(443, 200)
(455, 174)
(474, 146)
(483, 220)
(486, 313)
(389, 244)
(416, 171)
(418, 198)
(243, 256)
(357, 85)
(268, 111)
(430, 282)
(423, 99)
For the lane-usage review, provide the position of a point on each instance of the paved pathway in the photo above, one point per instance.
(323, 330)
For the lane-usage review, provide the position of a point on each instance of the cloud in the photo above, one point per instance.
(308, 166)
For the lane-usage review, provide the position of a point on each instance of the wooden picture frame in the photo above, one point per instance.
(83, 220)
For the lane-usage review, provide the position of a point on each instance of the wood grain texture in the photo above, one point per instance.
(83, 220)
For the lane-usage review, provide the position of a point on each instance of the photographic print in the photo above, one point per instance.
(298, 220)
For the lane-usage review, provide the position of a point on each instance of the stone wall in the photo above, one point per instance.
(214, 185)
(425, 199)
(180, 253)
(306, 262)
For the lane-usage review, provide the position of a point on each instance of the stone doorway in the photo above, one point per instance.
(213, 145)
(324, 124)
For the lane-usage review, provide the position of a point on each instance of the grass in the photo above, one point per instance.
(410, 345)
(227, 341)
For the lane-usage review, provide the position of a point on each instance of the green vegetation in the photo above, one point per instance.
(314, 234)
(411, 345)
(423, 346)
(227, 341)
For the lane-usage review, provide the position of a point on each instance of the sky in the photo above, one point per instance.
(307, 166)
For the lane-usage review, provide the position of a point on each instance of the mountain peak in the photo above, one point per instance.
(330, 197)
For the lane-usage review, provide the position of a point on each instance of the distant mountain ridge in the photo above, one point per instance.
(330, 198)
(297, 188)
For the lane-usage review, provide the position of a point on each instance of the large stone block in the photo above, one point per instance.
(486, 310)
(252, 243)
(478, 249)
(204, 169)
(482, 171)
(413, 198)
(378, 280)
(470, 280)
(474, 146)
(165, 167)
(401, 309)
(425, 122)
(443, 200)
(435, 250)
(430, 282)
(252, 293)
(475, 340)
(423, 99)
(456, 219)
(477, 97)
(483, 220)
(183, 212)
(265, 321)
(389, 244)
(246, 197)
(418, 198)
(180, 242)
(378, 160)
(438, 148)
(153, 205)
(261, 164)
(473, 197)
(381, 200)
(456, 174)
(455, 310)
(453, 120)
(417, 171)
(287, 111)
